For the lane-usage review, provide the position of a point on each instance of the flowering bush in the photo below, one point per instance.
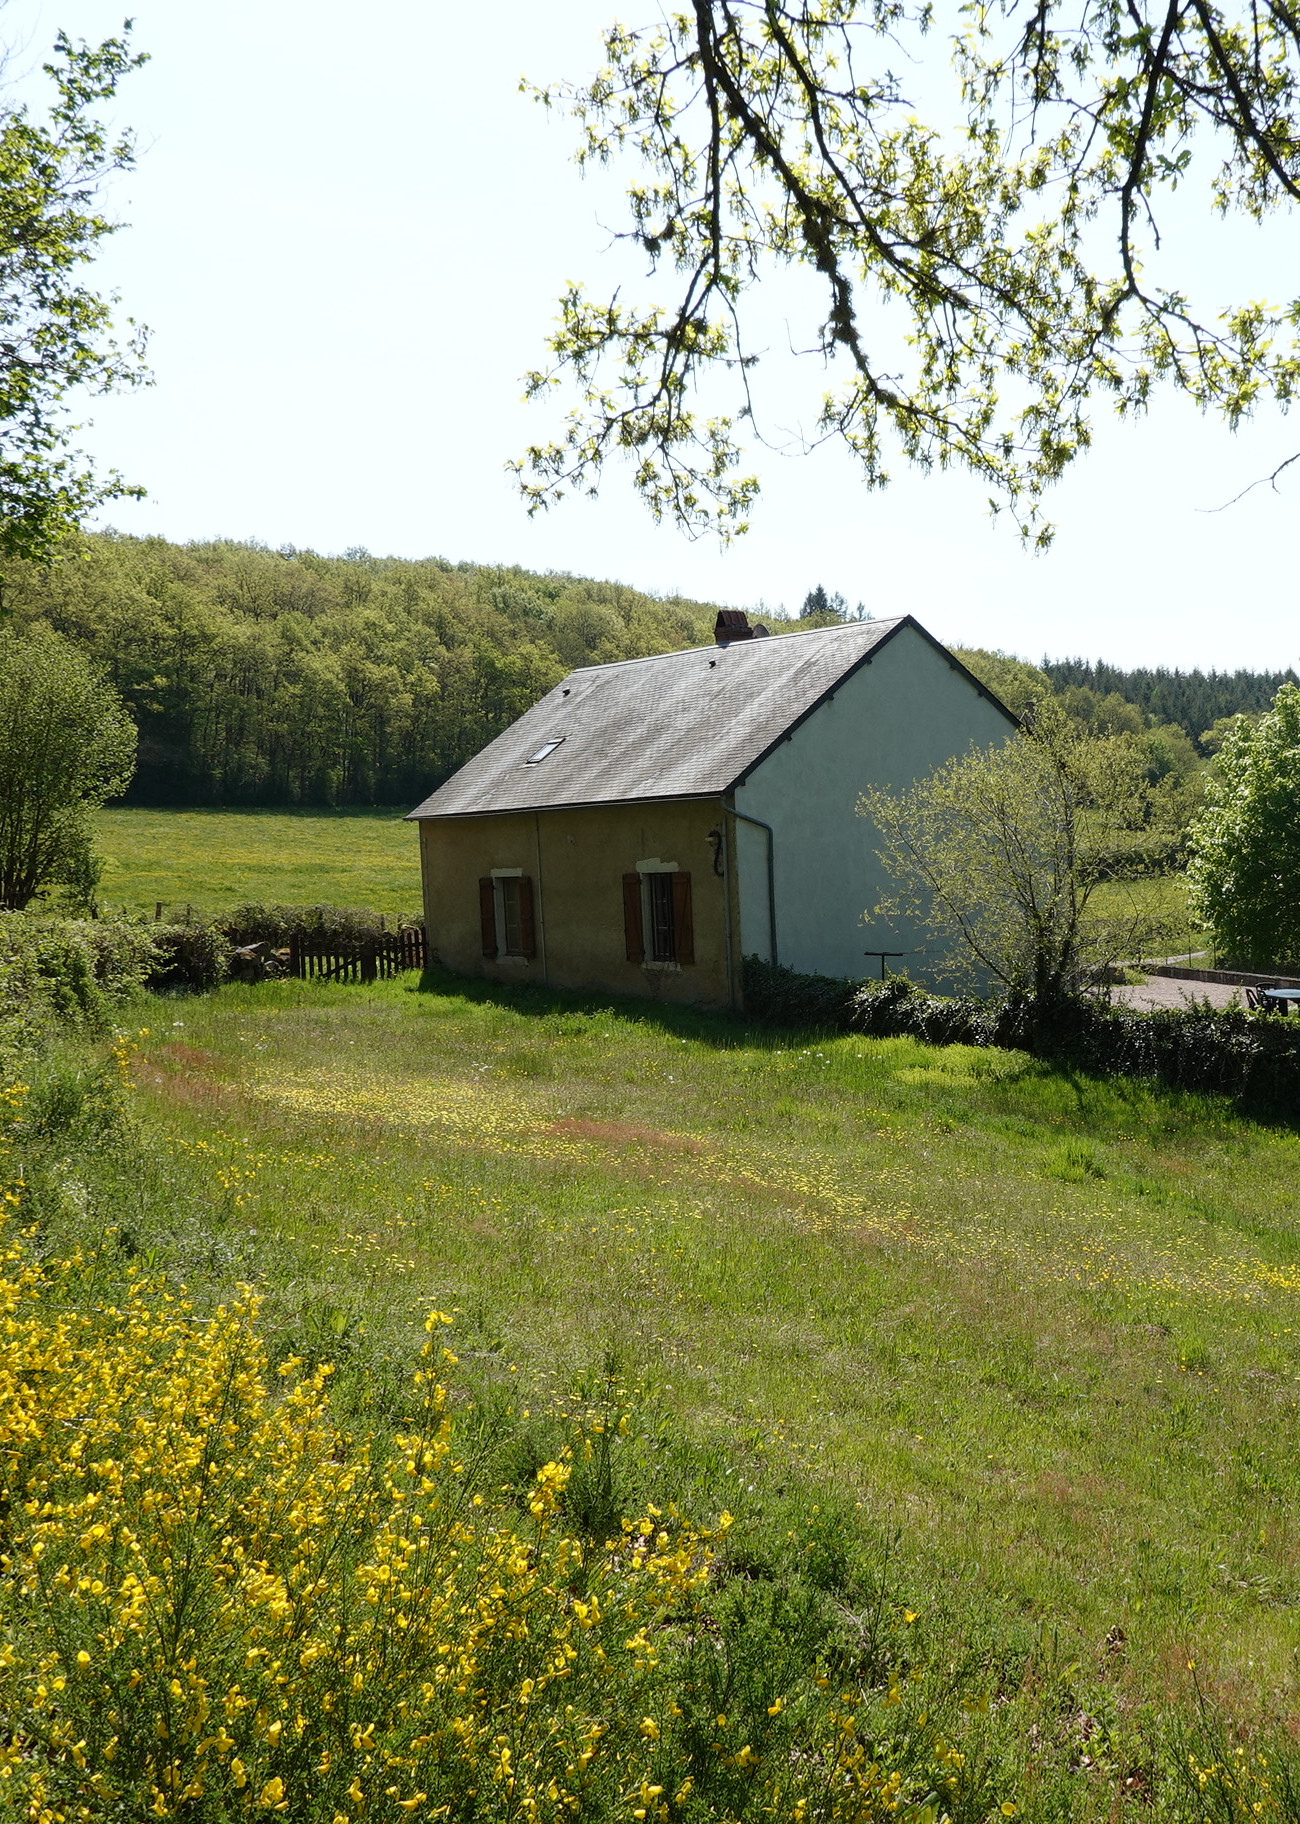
(216, 1604)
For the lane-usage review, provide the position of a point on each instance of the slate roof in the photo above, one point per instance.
(679, 725)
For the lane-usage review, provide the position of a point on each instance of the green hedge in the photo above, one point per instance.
(189, 954)
(275, 925)
(1254, 1058)
(197, 953)
(67, 971)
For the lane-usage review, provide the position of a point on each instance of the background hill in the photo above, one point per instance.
(262, 677)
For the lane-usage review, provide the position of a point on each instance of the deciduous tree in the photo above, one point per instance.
(1244, 873)
(66, 745)
(979, 212)
(1000, 852)
(56, 334)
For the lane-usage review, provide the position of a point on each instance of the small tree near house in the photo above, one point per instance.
(1002, 850)
(1244, 873)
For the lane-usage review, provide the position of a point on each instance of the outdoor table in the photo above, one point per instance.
(1282, 997)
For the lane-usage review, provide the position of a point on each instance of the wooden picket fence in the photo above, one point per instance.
(366, 959)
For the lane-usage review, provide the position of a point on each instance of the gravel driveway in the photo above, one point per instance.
(1169, 991)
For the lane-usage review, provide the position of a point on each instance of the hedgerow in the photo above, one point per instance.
(69, 972)
(1254, 1058)
(255, 923)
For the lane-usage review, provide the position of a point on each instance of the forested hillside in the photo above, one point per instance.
(263, 677)
(1195, 700)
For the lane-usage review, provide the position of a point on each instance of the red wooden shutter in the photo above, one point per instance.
(487, 914)
(527, 923)
(683, 924)
(632, 918)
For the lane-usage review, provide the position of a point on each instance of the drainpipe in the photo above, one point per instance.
(771, 871)
(724, 851)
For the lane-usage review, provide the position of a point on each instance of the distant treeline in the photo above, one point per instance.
(1195, 700)
(264, 677)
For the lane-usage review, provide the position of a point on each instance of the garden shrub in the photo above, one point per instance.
(276, 925)
(198, 953)
(67, 971)
(189, 954)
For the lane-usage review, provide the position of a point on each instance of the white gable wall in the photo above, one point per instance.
(902, 713)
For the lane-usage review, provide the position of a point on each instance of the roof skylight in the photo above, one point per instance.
(542, 752)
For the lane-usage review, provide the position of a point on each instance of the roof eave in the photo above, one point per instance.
(585, 804)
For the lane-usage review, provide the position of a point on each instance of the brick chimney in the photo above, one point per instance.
(732, 624)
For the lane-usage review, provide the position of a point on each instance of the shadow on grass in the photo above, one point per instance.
(724, 1031)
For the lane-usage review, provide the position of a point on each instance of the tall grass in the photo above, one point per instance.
(996, 1367)
(218, 1602)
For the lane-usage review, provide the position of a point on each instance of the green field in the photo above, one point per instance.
(1163, 898)
(213, 860)
(1041, 1332)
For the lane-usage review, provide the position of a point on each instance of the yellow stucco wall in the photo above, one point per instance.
(577, 860)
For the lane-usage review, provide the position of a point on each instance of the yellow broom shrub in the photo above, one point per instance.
(215, 1605)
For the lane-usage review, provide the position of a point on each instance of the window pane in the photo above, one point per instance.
(510, 917)
(663, 945)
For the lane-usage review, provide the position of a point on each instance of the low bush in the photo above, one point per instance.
(217, 1602)
(1254, 1058)
(276, 925)
(189, 955)
(198, 954)
(62, 971)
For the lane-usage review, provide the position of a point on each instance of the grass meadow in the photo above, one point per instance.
(1163, 897)
(217, 859)
(1033, 1337)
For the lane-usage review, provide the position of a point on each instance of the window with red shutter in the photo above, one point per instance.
(507, 909)
(632, 927)
(683, 923)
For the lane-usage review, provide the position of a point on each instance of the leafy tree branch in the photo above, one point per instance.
(56, 334)
(972, 306)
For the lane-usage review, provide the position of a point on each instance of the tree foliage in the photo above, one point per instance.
(1244, 873)
(1163, 752)
(57, 335)
(1195, 700)
(66, 745)
(1013, 681)
(978, 215)
(822, 610)
(999, 852)
(265, 677)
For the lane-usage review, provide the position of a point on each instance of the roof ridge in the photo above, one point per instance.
(684, 652)
(696, 734)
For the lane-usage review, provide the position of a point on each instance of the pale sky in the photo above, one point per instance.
(347, 232)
